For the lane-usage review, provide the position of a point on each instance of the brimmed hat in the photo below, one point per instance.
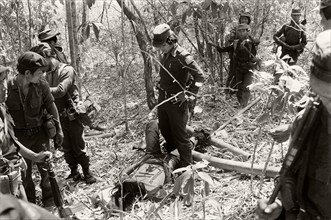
(296, 11)
(47, 34)
(160, 34)
(245, 14)
(30, 61)
(243, 27)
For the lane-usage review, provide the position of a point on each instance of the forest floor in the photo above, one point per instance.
(232, 196)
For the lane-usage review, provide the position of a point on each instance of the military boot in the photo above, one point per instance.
(89, 179)
(75, 174)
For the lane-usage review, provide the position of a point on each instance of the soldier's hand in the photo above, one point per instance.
(281, 133)
(59, 137)
(43, 156)
(181, 98)
(268, 212)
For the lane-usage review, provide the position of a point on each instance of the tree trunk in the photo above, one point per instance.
(70, 34)
(30, 23)
(142, 39)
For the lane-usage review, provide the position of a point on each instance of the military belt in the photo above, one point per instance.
(27, 132)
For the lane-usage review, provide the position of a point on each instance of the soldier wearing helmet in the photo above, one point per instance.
(306, 193)
(292, 38)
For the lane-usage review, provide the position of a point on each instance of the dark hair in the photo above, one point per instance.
(172, 38)
(131, 189)
(327, 12)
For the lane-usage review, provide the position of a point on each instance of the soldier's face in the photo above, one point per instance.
(34, 77)
(165, 47)
(243, 34)
(243, 20)
(296, 18)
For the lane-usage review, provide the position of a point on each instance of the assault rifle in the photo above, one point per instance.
(64, 212)
(297, 145)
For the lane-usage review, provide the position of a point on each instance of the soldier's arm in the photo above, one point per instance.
(66, 79)
(303, 38)
(229, 48)
(197, 74)
(277, 36)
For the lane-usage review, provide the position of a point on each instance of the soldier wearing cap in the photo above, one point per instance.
(308, 195)
(177, 68)
(28, 96)
(11, 163)
(50, 37)
(244, 52)
(62, 80)
(292, 37)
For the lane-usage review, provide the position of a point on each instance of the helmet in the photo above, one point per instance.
(245, 14)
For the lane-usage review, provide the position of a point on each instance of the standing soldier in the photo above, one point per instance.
(292, 37)
(177, 66)
(11, 163)
(50, 37)
(244, 52)
(28, 96)
(62, 80)
(306, 193)
(244, 18)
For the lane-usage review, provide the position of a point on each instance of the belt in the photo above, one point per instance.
(27, 132)
(165, 93)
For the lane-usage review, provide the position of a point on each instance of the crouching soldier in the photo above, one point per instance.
(11, 162)
(146, 178)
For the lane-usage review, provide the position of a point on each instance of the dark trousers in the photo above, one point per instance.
(73, 143)
(172, 124)
(244, 78)
(152, 138)
(292, 53)
(37, 143)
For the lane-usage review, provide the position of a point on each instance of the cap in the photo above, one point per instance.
(296, 11)
(3, 68)
(160, 34)
(243, 27)
(325, 4)
(47, 34)
(30, 61)
(321, 65)
(42, 49)
(245, 14)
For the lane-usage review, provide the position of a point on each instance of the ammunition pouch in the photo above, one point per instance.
(49, 126)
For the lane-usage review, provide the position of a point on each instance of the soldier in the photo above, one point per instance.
(244, 52)
(244, 18)
(311, 189)
(16, 209)
(292, 37)
(63, 82)
(11, 163)
(28, 96)
(50, 37)
(177, 66)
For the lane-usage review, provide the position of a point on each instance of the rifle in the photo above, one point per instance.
(64, 212)
(297, 145)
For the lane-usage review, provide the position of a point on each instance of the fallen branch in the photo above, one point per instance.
(239, 113)
(240, 167)
(221, 144)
